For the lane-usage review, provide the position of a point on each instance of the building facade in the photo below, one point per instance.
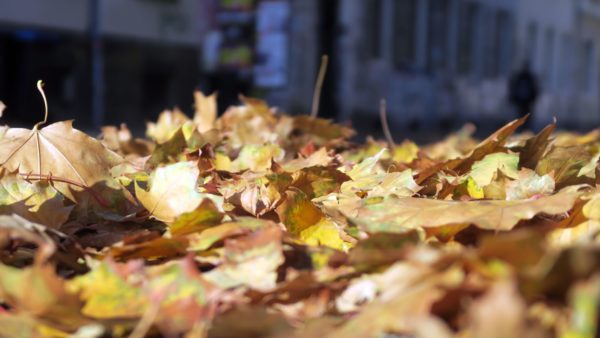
(437, 62)
(149, 55)
(447, 61)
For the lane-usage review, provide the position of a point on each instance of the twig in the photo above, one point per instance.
(384, 124)
(319, 87)
(50, 178)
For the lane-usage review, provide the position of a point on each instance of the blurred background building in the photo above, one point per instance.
(439, 63)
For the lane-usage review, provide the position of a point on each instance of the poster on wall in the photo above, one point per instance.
(236, 5)
(237, 27)
(272, 44)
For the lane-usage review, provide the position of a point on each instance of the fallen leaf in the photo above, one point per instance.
(399, 214)
(499, 313)
(528, 185)
(169, 121)
(206, 111)
(256, 158)
(107, 293)
(38, 202)
(206, 215)
(73, 160)
(298, 213)
(173, 191)
(326, 233)
(483, 171)
(251, 261)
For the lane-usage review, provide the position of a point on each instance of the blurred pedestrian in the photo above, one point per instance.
(523, 91)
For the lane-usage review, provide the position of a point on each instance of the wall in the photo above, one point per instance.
(416, 92)
(147, 20)
(68, 15)
(179, 23)
(559, 62)
(296, 96)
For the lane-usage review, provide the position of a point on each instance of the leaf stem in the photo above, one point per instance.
(40, 88)
(50, 178)
(319, 86)
(384, 124)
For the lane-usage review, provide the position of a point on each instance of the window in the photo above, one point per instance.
(437, 47)
(587, 76)
(499, 48)
(405, 14)
(467, 36)
(549, 58)
(566, 65)
(373, 28)
(531, 46)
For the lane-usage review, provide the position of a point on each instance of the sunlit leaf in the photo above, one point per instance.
(173, 191)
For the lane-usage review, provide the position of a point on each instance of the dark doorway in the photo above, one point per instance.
(329, 30)
(28, 55)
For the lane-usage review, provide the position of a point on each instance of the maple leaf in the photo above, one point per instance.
(535, 148)
(173, 191)
(325, 232)
(255, 193)
(181, 294)
(499, 313)
(206, 111)
(398, 214)
(59, 151)
(260, 223)
(318, 158)
(298, 213)
(107, 293)
(251, 124)
(251, 261)
(38, 291)
(587, 230)
(483, 171)
(494, 143)
(36, 201)
(322, 131)
(121, 141)
(204, 216)
(528, 185)
(256, 158)
(169, 121)
(241, 226)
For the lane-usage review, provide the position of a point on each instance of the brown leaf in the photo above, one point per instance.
(59, 151)
(494, 143)
(399, 214)
(535, 147)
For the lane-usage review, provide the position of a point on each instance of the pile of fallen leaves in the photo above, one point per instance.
(261, 224)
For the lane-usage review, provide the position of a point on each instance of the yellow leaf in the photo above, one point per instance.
(257, 157)
(326, 233)
(169, 121)
(172, 191)
(406, 152)
(298, 213)
(206, 111)
(474, 190)
(483, 171)
(107, 294)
